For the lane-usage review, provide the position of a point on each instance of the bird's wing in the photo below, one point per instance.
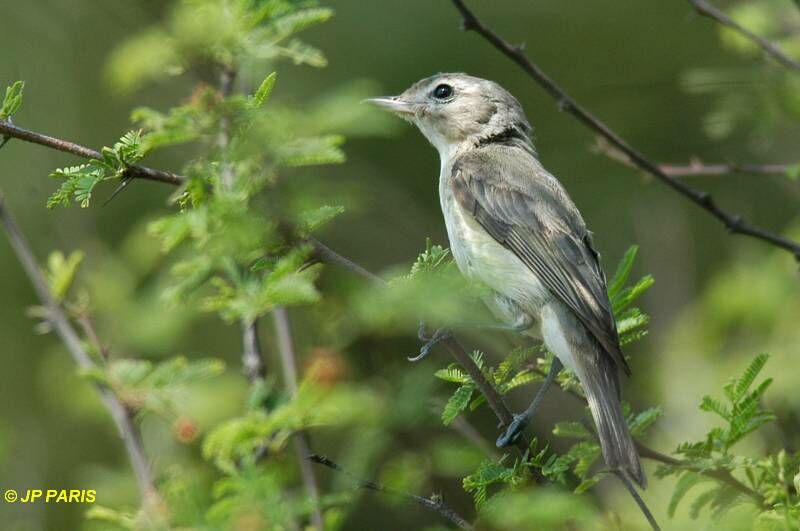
(526, 210)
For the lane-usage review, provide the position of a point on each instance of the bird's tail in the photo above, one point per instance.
(601, 386)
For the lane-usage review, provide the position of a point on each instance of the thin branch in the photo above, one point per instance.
(776, 52)
(733, 222)
(696, 167)
(122, 416)
(135, 171)
(721, 475)
(288, 362)
(645, 452)
(434, 503)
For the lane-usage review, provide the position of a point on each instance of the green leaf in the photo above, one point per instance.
(572, 429)
(749, 376)
(311, 220)
(264, 90)
(623, 271)
(643, 420)
(12, 100)
(61, 272)
(453, 374)
(457, 403)
(686, 481)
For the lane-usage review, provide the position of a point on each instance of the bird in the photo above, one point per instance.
(513, 228)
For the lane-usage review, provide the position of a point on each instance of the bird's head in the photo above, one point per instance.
(454, 110)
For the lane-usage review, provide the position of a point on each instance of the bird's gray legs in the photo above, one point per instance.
(521, 421)
(440, 335)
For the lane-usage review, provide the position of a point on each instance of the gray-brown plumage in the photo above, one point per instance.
(513, 227)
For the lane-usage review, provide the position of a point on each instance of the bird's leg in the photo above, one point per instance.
(438, 336)
(522, 420)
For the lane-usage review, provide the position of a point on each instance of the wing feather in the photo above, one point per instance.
(538, 223)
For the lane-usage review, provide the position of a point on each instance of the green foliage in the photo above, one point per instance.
(61, 272)
(159, 388)
(80, 181)
(12, 100)
(761, 98)
(767, 482)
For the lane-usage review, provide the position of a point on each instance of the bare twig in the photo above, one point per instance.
(139, 172)
(776, 52)
(434, 503)
(696, 167)
(122, 416)
(288, 362)
(733, 222)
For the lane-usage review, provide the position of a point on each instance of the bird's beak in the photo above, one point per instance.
(393, 104)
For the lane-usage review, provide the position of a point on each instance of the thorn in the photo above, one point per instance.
(125, 182)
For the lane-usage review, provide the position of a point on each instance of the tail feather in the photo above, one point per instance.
(601, 386)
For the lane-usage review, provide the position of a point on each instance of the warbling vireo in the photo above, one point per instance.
(512, 227)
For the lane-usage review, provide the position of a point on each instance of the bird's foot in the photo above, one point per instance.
(438, 336)
(514, 431)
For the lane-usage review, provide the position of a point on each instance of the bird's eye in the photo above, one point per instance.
(442, 92)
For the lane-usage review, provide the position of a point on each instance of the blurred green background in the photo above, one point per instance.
(653, 70)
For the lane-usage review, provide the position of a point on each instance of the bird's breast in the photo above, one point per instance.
(481, 258)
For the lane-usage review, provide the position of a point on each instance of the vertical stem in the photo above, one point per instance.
(122, 416)
(252, 359)
(288, 363)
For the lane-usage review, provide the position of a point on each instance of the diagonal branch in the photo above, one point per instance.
(434, 503)
(288, 363)
(122, 416)
(732, 221)
(10, 130)
(776, 52)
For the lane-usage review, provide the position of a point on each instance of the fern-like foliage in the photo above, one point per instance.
(769, 482)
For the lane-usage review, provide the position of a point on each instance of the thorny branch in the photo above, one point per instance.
(288, 361)
(733, 222)
(122, 416)
(253, 359)
(10, 130)
(776, 52)
(698, 168)
(434, 503)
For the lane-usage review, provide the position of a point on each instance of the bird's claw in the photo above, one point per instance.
(513, 432)
(430, 341)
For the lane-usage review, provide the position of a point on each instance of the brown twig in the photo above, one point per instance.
(733, 222)
(696, 167)
(286, 350)
(645, 452)
(434, 503)
(122, 416)
(776, 52)
(135, 171)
